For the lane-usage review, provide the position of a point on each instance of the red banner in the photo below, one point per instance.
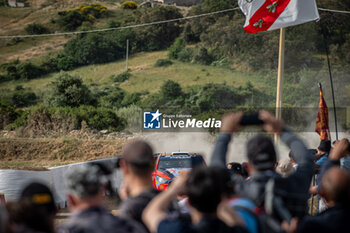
(322, 126)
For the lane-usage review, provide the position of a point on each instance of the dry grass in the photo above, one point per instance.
(27, 153)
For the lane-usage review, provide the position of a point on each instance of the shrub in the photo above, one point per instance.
(91, 49)
(203, 57)
(176, 48)
(131, 98)
(8, 114)
(133, 116)
(36, 28)
(171, 90)
(66, 63)
(100, 118)
(119, 78)
(28, 70)
(92, 11)
(70, 20)
(111, 97)
(129, 5)
(22, 98)
(163, 62)
(185, 55)
(69, 90)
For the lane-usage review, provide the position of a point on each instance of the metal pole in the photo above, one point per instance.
(280, 77)
(127, 55)
(331, 79)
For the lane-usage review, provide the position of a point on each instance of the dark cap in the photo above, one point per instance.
(261, 153)
(84, 181)
(325, 145)
(138, 152)
(40, 195)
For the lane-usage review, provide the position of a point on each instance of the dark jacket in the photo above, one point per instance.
(334, 219)
(254, 189)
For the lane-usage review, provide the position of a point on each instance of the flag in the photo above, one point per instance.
(267, 15)
(322, 126)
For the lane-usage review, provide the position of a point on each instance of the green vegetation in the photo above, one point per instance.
(36, 28)
(129, 5)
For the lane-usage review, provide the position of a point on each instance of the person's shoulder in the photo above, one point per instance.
(172, 225)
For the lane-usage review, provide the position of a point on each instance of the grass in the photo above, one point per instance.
(146, 77)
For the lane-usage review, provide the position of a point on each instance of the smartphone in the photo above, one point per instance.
(251, 120)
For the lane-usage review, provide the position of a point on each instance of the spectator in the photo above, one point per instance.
(85, 189)
(294, 164)
(336, 191)
(205, 188)
(137, 190)
(3, 219)
(262, 160)
(285, 167)
(34, 211)
(323, 151)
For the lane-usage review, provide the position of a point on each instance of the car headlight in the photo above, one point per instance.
(161, 180)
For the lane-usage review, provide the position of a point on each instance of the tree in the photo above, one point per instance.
(217, 5)
(68, 90)
(157, 36)
(171, 90)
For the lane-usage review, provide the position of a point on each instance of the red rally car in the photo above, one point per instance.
(169, 166)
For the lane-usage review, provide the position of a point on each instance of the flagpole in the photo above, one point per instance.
(280, 73)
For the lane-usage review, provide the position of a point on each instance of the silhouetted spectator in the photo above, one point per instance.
(205, 188)
(262, 159)
(85, 191)
(137, 190)
(34, 211)
(336, 191)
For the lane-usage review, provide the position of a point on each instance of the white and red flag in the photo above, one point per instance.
(267, 15)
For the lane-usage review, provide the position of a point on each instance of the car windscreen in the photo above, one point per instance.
(165, 163)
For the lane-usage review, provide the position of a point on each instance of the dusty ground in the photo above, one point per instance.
(39, 153)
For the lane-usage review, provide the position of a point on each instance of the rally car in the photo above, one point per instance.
(169, 166)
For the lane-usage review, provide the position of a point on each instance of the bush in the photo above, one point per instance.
(70, 20)
(36, 28)
(129, 5)
(133, 116)
(176, 48)
(163, 62)
(131, 98)
(185, 55)
(22, 98)
(203, 57)
(66, 63)
(69, 90)
(28, 71)
(171, 90)
(119, 78)
(92, 49)
(8, 114)
(92, 11)
(111, 97)
(100, 118)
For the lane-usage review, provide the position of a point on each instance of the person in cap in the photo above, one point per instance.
(323, 151)
(34, 211)
(262, 157)
(137, 165)
(85, 192)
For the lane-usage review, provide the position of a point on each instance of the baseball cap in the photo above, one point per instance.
(138, 153)
(84, 181)
(325, 145)
(261, 152)
(40, 195)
